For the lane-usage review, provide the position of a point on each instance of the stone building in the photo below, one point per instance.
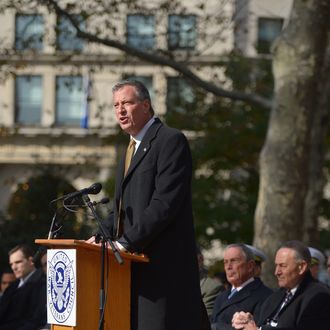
(55, 89)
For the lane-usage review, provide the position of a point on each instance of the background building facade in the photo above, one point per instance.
(55, 89)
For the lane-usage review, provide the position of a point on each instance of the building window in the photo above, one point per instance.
(182, 32)
(141, 31)
(180, 95)
(28, 100)
(69, 101)
(29, 30)
(268, 30)
(66, 34)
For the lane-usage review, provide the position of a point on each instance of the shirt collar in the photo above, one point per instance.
(24, 280)
(244, 284)
(138, 137)
(293, 291)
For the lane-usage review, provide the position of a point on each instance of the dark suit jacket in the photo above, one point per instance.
(24, 308)
(249, 299)
(309, 308)
(158, 221)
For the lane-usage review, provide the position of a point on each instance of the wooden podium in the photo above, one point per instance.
(117, 309)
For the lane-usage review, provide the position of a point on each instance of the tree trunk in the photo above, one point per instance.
(317, 153)
(285, 163)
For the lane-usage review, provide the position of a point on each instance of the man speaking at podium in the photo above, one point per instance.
(153, 215)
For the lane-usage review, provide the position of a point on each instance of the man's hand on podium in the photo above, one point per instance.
(93, 240)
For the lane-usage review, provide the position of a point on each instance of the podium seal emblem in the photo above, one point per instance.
(61, 286)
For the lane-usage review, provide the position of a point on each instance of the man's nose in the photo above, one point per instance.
(121, 108)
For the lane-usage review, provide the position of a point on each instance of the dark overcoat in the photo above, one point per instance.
(24, 308)
(158, 221)
(309, 308)
(248, 299)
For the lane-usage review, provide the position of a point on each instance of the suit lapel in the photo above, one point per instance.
(144, 147)
(141, 152)
(297, 293)
(278, 298)
(276, 301)
(239, 296)
(233, 300)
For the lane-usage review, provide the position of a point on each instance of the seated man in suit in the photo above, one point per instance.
(301, 303)
(210, 287)
(247, 292)
(23, 304)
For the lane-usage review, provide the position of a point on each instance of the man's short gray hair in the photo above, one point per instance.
(248, 254)
(300, 249)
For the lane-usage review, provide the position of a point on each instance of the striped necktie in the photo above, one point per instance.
(274, 320)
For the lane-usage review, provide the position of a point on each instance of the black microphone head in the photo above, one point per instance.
(94, 189)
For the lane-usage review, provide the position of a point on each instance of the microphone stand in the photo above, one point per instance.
(52, 232)
(102, 295)
(55, 225)
(106, 238)
(104, 231)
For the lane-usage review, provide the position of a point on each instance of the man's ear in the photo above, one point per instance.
(252, 265)
(30, 259)
(146, 106)
(302, 267)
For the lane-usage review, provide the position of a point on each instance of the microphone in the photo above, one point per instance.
(104, 200)
(94, 189)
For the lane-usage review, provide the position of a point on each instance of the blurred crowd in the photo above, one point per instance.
(242, 301)
(234, 299)
(23, 290)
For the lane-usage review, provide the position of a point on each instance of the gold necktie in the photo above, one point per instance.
(129, 154)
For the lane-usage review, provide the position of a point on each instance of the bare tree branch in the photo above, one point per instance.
(158, 59)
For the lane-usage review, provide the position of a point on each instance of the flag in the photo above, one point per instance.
(85, 104)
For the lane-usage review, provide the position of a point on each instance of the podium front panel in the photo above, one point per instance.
(117, 286)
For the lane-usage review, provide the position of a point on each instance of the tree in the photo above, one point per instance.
(229, 197)
(30, 213)
(225, 154)
(293, 154)
(291, 162)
